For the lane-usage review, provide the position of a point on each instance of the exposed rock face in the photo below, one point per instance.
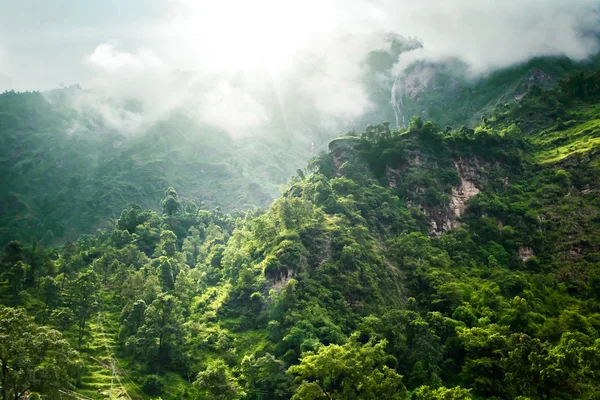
(337, 163)
(393, 176)
(466, 190)
(342, 150)
(277, 285)
(442, 218)
(539, 77)
(525, 253)
(417, 81)
(446, 219)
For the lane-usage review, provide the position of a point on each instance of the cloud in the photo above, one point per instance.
(141, 77)
(5, 80)
(108, 58)
(253, 65)
(489, 34)
(335, 78)
(231, 109)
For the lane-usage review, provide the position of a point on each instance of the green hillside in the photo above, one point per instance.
(58, 184)
(420, 263)
(66, 173)
(450, 95)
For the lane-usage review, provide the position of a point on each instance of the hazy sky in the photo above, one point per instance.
(132, 47)
(43, 43)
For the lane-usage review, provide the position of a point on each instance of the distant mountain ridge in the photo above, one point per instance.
(66, 172)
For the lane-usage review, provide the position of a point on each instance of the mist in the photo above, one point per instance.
(266, 67)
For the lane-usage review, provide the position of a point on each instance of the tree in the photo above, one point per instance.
(13, 253)
(167, 245)
(50, 295)
(161, 332)
(38, 262)
(33, 358)
(442, 393)
(84, 299)
(349, 371)
(426, 354)
(170, 202)
(62, 318)
(266, 374)
(16, 277)
(136, 318)
(147, 235)
(484, 367)
(570, 369)
(152, 385)
(130, 219)
(217, 382)
(168, 273)
(192, 245)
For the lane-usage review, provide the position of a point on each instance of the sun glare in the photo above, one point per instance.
(246, 36)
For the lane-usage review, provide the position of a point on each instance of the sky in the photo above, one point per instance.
(235, 48)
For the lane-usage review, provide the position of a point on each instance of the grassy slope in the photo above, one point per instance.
(580, 135)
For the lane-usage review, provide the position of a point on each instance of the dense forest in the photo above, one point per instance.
(71, 168)
(428, 262)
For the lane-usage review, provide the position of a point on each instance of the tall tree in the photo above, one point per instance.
(50, 295)
(13, 252)
(170, 202)
(32, 357)
(84, 299)
(168, 273)
(162, 331)
(217, 382)
(167, 245)
(16, 276)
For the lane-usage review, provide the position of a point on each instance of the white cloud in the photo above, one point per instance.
(490, 34)
(108, 58)
(248, 60)
(231, 109)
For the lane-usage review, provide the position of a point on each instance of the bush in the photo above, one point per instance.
(152, 385)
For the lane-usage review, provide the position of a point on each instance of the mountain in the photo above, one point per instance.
(62, 179)
(72, 162)
(425, 262)
(449, 94)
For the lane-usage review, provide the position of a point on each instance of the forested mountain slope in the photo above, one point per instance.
(60, 182)
(66, 170)
(446, 92)
(423, 263)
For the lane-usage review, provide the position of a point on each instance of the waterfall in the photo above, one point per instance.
(398, 106)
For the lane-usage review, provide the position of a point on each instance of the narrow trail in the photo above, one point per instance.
(75, 395)
(119, 391)
(102, 379)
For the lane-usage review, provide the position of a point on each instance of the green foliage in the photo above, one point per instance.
(157, 339)
(153, 385)
(33, 357)
(84, 300)
(170, 203)
(453, 264)
(442, 393)
(217, 382)
(265, 377)
(347, 371)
